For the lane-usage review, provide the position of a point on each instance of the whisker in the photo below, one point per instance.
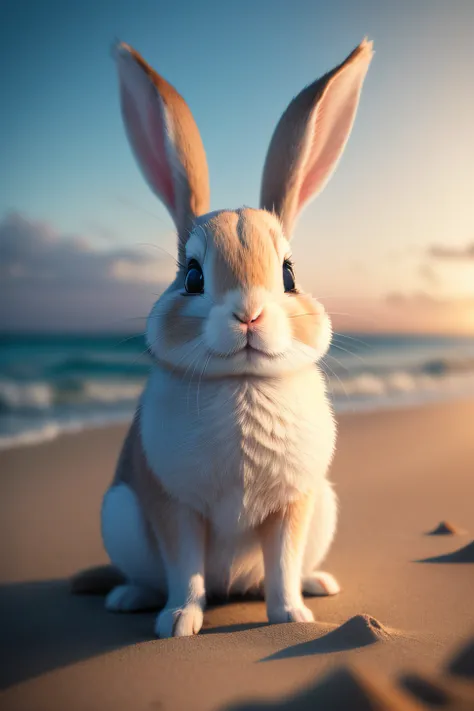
(340, 382)
(308, 313)
(140, 355)
(129, 338)
(183, 377)
(330, 296)
(199, 382)
(354, 355)
(205, 237)
(159, 315)
(341, 365)
(326, 378)
(128, 203)
(122, 322)
(191, 378)
(148, 350)
(157, 246)
(372, 321)
(351, 338)
(199, 343)
(193, 360)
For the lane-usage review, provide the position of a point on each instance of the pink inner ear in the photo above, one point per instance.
(332, 124)
(151, 155)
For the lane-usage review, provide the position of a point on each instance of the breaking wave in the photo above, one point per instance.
(50, 385)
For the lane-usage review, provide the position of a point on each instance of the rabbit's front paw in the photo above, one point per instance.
(297, 613)
(179, 621)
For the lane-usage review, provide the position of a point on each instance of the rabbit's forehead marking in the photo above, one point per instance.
(247, 249)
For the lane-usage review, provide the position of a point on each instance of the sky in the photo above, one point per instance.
(388, 245)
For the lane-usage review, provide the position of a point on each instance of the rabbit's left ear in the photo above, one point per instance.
(310, 138)
(165, 139)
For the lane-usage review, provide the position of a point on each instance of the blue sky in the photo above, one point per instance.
(402, 191)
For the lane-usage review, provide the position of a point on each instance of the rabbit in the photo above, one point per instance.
(221, 487)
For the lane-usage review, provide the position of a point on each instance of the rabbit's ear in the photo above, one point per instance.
(310, 138)
(165, 140)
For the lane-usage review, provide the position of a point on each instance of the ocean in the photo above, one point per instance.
(54, 384)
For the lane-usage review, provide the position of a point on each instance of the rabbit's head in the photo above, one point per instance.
(235, 306)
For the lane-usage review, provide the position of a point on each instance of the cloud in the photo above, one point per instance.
(55, 282)
(51, 281)
(422, 312)
(416, 299)
(429, 275)
(34, 250)
(463, 254)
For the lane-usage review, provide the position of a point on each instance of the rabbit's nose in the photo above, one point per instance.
(248, 319)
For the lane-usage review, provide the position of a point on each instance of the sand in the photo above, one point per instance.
(396, 473)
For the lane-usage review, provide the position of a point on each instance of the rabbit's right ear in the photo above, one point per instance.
(310, 138)
(165, 140)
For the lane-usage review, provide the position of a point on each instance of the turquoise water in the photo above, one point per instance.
(50, 384)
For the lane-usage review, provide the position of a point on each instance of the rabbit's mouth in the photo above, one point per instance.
(252, 352)
(254, 355)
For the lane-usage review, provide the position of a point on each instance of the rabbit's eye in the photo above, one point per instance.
(194, 281)
(288, 276)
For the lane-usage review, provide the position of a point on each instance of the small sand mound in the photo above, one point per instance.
(358, 631)
(346, 689)
(463, 662)
(445, 528)
(462, 555)
(361, 630)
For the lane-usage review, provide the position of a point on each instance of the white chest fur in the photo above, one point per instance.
(237, 449)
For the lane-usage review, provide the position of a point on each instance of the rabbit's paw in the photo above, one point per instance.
(320, 583)
(179, 621)
(132, 598)
(298, 613)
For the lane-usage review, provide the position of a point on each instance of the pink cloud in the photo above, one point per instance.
(53, 282)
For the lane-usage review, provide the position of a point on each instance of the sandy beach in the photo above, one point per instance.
(398, 474)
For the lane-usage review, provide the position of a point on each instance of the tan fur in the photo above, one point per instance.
(246, 248)
(193, 195)
(133, 470)
(291, 152)
(178, 328)
(283, 537)
(305, 318)
(294, 519)
(298, 515)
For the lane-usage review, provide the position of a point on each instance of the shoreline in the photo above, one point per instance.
(52, 431)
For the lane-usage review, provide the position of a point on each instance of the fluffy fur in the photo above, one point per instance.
(222, 484)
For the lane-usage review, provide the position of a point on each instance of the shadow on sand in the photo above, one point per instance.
(43, 626)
